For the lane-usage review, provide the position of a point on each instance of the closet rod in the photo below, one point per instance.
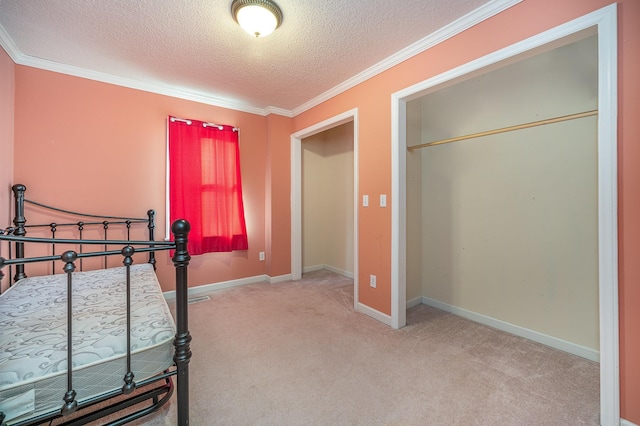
(507, 129)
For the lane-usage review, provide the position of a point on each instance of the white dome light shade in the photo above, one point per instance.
(257, 17)
(257, 20)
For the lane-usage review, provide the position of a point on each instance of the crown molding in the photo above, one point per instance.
(469, 20)
(9, 46)
(278, 111)
(151, 87)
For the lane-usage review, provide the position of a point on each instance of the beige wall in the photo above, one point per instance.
(313, 193)
(509, 222)
(327, 199)
(7, 88)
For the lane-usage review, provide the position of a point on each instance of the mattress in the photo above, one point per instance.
(33, 325)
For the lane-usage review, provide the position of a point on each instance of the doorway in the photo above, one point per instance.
(350, 257)
(506, 224)
(603, 23)
(327, 201)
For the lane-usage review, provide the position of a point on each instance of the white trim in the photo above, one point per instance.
(152, 87)
(10, 47)
(329, 123)
(375, 314)
(624, 422)
(327, 268)
(278, 111)
(605, 20)
(339, 271)
(414, 302)
(312, 268)
(279, 278)
(208, 288)
(478, 15)
(145, 86)
(296, 192)
(554, 342)
(398, 209)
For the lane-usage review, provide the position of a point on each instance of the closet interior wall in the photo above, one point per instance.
(327, 201)
(506, 225)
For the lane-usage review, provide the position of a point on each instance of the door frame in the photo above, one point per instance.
(296, 191)
(605, 22)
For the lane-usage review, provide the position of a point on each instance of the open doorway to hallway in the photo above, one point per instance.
(327, 201)
(349, 245)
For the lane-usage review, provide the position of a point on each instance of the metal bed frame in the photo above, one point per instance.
(132, 392)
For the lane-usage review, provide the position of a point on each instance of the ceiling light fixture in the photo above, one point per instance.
(257, 17)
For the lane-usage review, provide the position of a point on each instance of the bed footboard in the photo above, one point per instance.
(131, 389)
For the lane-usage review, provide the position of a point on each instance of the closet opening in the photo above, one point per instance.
(324, 188)
(508, 212)
(327, 201)
(506, 219)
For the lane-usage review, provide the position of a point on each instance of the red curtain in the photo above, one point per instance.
(205, 185)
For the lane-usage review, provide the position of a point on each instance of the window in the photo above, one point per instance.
(205, 185)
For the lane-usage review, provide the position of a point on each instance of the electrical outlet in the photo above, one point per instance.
(372, 281)
(261, 256)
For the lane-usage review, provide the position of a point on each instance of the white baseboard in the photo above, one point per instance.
(312, 268)
(377, 315)
(208, 288)
(328, 268)
(278, 278)
(551, 341)
(414, 302)
(624, 422)
(339, 271)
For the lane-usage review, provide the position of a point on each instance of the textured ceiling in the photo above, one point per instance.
(195, 46)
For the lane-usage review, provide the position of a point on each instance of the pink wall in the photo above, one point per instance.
(629, 205)
(373, 100)
(278, 200)
(96, 147)
(7, 82)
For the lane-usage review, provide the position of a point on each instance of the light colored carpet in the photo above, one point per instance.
(296, 353)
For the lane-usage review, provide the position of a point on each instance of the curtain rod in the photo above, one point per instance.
(507, 129)
(204, 124)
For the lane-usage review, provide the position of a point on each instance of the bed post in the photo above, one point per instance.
(19, 221)
(151, 224)
(182, 355)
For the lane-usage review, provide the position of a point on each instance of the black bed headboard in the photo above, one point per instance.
(80, 223)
